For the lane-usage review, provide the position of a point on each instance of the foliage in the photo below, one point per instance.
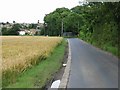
(14, 30)
(4, 31)
(54, 21)
(101, 24)
(11, 31)
(94, 22)
(32, 26)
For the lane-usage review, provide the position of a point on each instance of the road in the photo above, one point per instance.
(91, 67)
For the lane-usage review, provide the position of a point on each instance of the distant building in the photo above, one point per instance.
(33, 32)
(39, 28)
(27, 32)
(40, 25)
(21, 32)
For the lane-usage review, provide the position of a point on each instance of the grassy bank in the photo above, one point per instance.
(38, 75)
(105, 47)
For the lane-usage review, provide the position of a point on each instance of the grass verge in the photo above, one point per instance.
(105, 47)
(108, 48)
(37, 76)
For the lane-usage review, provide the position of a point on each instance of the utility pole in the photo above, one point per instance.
(78, 28)
(78, 25)
(62, 28)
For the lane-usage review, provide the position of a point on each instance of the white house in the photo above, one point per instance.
(21, 32)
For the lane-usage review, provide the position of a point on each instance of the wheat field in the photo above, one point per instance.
(21, 52)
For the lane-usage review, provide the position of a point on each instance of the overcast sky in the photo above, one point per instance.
(29, 11)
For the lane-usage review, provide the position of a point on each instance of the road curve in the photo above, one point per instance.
(91, 67)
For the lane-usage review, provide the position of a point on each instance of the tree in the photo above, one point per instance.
(5, 31)
(14, 30)
(32, 26)
(7, 23)
(13, 22)
(70, 20)
(95, 22)
(54, 20)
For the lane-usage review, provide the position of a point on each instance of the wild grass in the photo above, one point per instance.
(22, 52)
(107, 47)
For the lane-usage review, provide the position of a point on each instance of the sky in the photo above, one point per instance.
(30, 11)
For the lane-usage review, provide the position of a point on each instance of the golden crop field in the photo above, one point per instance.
(21, 52)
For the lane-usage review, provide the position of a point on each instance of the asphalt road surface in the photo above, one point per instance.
(91, 67)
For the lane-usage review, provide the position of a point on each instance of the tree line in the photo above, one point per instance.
(97, 23)
(53, 22)
(15, 27)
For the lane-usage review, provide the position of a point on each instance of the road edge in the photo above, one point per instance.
(65, 77)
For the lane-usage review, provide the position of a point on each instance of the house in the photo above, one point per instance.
(21, 32)
(32, 32)
(39, 27)
(27, 32)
